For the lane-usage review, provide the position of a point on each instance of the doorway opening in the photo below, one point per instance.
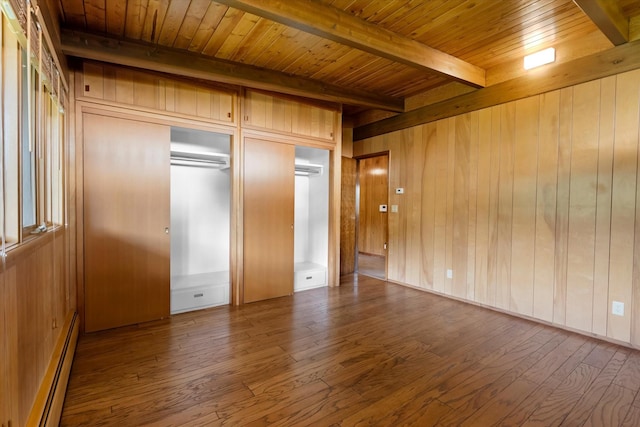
(372, 195)
(200, 219)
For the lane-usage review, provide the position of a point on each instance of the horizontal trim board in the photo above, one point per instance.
(617, 60)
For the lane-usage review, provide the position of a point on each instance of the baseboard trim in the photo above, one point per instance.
(47, 408)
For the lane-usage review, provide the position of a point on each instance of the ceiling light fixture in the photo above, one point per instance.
(537, 59)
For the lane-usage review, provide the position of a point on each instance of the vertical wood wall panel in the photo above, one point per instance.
(450, 198)
(400, 244)
(483, 185)
(524, 205)
(562, 206)
(494, 199)
(33, 307)
(124, 86)
(416, 150)
(427, 224)
(505, 206)
(473, 205)
(534, 205)
(440, 222)
(546, 187)
(582, 205)
(623, 203)
(460, 205)
(635, 285)
(603, 207)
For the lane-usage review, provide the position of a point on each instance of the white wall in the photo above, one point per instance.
(312, 209)
(301, 219)
(200, 207)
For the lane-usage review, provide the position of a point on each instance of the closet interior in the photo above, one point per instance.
(200, 219)
(311, 220)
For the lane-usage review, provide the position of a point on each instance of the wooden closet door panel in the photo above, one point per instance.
(126, 210)
(268, 219)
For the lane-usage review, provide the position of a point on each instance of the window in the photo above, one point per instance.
(32, 130)
(10, 119)
(27, 149)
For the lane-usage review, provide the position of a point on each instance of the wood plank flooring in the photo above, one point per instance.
(367, 353)
(371, 265)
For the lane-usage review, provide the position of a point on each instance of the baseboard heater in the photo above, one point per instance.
(47, 408)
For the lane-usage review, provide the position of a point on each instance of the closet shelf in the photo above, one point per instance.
(200, 158)
(308, 169)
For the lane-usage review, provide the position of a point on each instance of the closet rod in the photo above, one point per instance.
(199, 163)
(308, 169)
(203, 159)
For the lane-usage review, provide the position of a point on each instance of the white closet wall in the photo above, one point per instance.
(311, 244)
(200, 222)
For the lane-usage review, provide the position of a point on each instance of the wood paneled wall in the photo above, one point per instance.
(534, 205)
(125, 86)
(265, 111)
(36, 299)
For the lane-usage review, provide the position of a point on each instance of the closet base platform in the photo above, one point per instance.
(197, 291)
(309, 275)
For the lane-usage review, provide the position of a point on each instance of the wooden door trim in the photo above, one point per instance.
(288, 138)
(118, 111)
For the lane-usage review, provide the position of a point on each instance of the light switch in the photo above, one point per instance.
(394, 208)
(383, 208)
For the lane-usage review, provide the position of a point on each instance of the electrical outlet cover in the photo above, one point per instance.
(617, 308)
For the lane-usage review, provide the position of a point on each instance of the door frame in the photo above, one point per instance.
(357, 213)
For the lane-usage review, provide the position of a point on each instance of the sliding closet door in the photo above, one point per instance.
(126, 212)
(268, 219)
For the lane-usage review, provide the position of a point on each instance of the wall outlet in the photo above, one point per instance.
(617, 308)
(449, 274)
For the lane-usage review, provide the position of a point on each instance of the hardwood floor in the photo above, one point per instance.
(371, 265)
(367, 353)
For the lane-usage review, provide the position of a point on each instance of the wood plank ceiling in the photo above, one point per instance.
(381, 54)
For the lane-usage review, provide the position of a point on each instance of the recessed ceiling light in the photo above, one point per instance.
(539, 58)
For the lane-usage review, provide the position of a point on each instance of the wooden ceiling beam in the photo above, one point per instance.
(616, 60)
(608, 17)
(334, 24)
(151, 57)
